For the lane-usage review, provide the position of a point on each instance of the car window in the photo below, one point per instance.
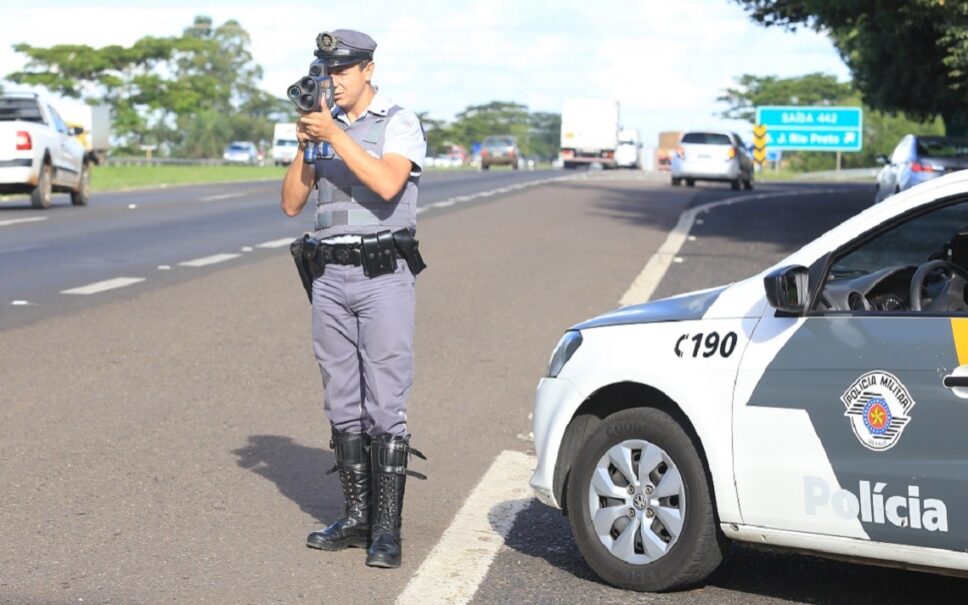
(942, 147)
(13, 108)
(883, 267)
(706, 138)
(498, 142)
(59, 125)
(901, 152)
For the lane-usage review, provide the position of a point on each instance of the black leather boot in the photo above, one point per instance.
(389, 463)
(353, 463)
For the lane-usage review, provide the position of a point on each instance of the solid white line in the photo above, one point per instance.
(276, 243)
(648, 280)
(101, 286)
(459, 562)
(208, 260)
(444, 204)
(221, 196)
(17, 221)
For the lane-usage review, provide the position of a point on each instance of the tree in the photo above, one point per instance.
(545, 134)
(191, 94)
(497, 117)
(906, 56)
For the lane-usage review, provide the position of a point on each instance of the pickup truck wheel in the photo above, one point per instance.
(640, 504)
(83, 193)
(40, 196)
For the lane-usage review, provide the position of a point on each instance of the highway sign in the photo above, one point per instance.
(812, 128)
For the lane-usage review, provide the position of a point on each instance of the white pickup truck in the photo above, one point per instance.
(39, 154)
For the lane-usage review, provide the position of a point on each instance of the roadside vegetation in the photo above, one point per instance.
(114, 178)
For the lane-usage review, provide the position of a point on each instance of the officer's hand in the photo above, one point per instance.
(301, 135)
(318, 125)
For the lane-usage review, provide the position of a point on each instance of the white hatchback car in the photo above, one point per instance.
(820, 405)
(712, 156)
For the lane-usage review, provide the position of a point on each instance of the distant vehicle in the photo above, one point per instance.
(242, 152)
(668, 142)
(500, 151)
(95, 120)
(38, 152)
(589, 132)
(917, 159)
(284, 143)
(712, 156)
(628, 154)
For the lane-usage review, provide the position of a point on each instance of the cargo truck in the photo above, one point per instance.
(95, 122)
(589, 132)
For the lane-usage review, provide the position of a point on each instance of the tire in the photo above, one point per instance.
(514, 165)
(41, 195)
(676, 560)
(83, 193)
(485, 166)
(570, 165)
(676, 181)
(748, 184)
(735, 185)
(690, 182)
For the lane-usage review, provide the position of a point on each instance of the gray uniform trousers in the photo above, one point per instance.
(363, 340)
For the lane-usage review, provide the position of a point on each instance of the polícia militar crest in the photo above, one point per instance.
(879, 407)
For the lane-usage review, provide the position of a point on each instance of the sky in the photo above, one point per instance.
(665, 61)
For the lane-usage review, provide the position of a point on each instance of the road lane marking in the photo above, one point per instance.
(276, 243)
(459, 562)
(221, 196)
(208, 260)
(444, 204)
(102, 286)
(19, 303)
(655, 269)
(17, 221)
(164, 267)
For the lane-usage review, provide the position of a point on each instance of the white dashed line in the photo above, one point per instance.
(17, 221)
(101, 286)
(221, 196)
(164, 267)
(459, 562)
(19, 303)
(276, 243)
(421, 209)
(132, 206)
(208, 260)
(246, 248)
(444, 204)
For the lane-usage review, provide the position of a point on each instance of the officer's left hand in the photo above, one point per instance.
(319, 125)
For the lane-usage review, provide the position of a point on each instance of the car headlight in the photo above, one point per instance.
(567, 346)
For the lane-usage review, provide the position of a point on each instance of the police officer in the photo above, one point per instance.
(363, 300)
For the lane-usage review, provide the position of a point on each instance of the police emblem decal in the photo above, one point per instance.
(879, 407)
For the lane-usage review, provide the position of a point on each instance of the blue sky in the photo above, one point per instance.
(665, 61)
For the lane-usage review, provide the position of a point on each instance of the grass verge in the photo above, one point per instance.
(111, 178)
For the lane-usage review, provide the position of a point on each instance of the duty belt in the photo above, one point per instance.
(377, 254)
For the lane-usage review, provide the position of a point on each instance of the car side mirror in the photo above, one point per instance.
(882, 160)
(76, 130)
(787, 289)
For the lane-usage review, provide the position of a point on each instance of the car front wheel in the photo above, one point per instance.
(640, 504)
(81, 196)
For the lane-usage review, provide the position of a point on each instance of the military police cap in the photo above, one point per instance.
(344, 47)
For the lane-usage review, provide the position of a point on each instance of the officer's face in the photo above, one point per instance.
(350, 82)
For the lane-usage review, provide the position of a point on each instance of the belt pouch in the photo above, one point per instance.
(379, 254)
(303, 252)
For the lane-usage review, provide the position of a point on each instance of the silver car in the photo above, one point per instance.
(712, 156)
(918, 159)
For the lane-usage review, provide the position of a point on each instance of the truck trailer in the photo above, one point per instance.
(589, 131)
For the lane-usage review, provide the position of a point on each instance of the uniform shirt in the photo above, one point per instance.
(403, 136)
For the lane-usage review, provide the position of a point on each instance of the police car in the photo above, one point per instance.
(821, 405)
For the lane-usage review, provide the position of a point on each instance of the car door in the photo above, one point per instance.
(850, 421)
(66, 153)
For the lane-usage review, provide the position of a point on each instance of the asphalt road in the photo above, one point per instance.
(148, 235)
(165, 442)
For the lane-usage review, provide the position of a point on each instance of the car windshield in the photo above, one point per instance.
(20, 109)
(238, 147)
(286, 142)
(706, 138)
(499, 142)
(942, 147)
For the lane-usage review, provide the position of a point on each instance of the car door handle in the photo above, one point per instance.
(952, 382)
